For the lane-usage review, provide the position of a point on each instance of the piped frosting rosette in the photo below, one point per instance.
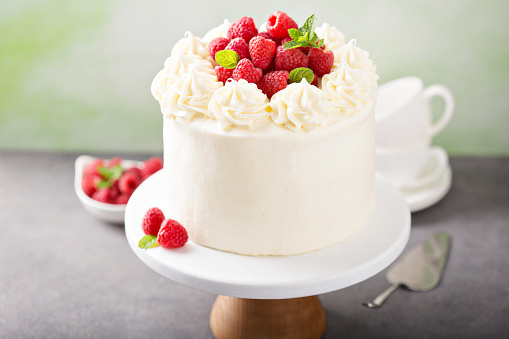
(174, 68)
(190, 95)
(332, 37)
(192, 45)
(239, 104)
(300, 105)
(356, 58)
(347, 88)
(216, 32)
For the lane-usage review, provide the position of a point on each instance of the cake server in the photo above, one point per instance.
(420, 270)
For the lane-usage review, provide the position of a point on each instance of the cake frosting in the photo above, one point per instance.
(255, 175)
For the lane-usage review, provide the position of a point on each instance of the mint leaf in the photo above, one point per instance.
(148, 241)
(301, 73)
(294, 33)
(309, 25)
(116, 172)
(228, 59)
(103, 184)
(105, 172)
(320, 43)
(292, 44)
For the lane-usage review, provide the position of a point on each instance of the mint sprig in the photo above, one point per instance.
(227, 59)
(304, 36)
(300, 73)
(148, 241)
(109, 175)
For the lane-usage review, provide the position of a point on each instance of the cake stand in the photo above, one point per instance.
(274, 296)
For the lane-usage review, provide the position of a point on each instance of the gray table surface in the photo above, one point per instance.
(65, 274)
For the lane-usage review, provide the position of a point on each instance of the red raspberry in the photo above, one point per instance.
(216, 45)
(279, 23)
(270, 68)
(266, 35)
(315, 81)
(172, 234)
(273, 82)
(128, 182)
(122, 199)
(103, 195)
(320, 62)
(285, 40)
(151, 166)
(113, 162)
(91, 168)
(223, 74)
(247, 71)
(114, 191)
(261, 51)
(243, 28)
(240, 46)
(88, 183)
(289, 59)
(136, 172)
(152, 221)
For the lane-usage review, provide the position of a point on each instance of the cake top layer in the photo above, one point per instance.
(243, 77)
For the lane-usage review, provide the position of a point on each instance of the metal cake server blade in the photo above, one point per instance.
(419, 270)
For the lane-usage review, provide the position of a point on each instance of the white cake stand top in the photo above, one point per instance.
(336, 267)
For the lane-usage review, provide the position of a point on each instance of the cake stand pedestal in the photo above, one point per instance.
(273, 296)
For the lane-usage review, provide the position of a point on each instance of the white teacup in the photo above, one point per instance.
(403, 114)
(413, 167)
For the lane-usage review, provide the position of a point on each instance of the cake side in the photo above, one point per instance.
(282, 194)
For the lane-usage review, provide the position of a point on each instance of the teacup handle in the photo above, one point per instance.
(445, 93)
(442, 159)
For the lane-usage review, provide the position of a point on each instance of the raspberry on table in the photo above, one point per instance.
(172, 234)
(216, 45)
(261, 51)
(223, 74)
(128, 182)
(279, 23)
(289, 59)
(247, 71)
(244, 28)
(151, 166)
(152, 220)
(273, 82)
(320, 62)
(240, 46)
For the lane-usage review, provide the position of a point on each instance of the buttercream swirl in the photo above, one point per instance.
(190, 95)
(174, 68)
(192, 45)
(300, 105)
(332, 37)
(238, 104)
(217, 32)
(355, 57)
(347, 88)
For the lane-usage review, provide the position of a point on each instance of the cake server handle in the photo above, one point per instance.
(382, 297)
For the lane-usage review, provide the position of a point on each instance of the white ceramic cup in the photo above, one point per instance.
(413, 167)
(403, 114)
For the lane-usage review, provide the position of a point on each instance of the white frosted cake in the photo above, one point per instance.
(261, 173)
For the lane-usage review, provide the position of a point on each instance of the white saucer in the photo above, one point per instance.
(339, 266)
(426, 196)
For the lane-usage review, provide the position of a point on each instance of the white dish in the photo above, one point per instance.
(426, 196)
(107, 212)
(339, 266)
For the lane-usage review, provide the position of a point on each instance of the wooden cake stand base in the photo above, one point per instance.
(267, 318)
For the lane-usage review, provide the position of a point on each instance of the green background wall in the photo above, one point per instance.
(75, 75)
